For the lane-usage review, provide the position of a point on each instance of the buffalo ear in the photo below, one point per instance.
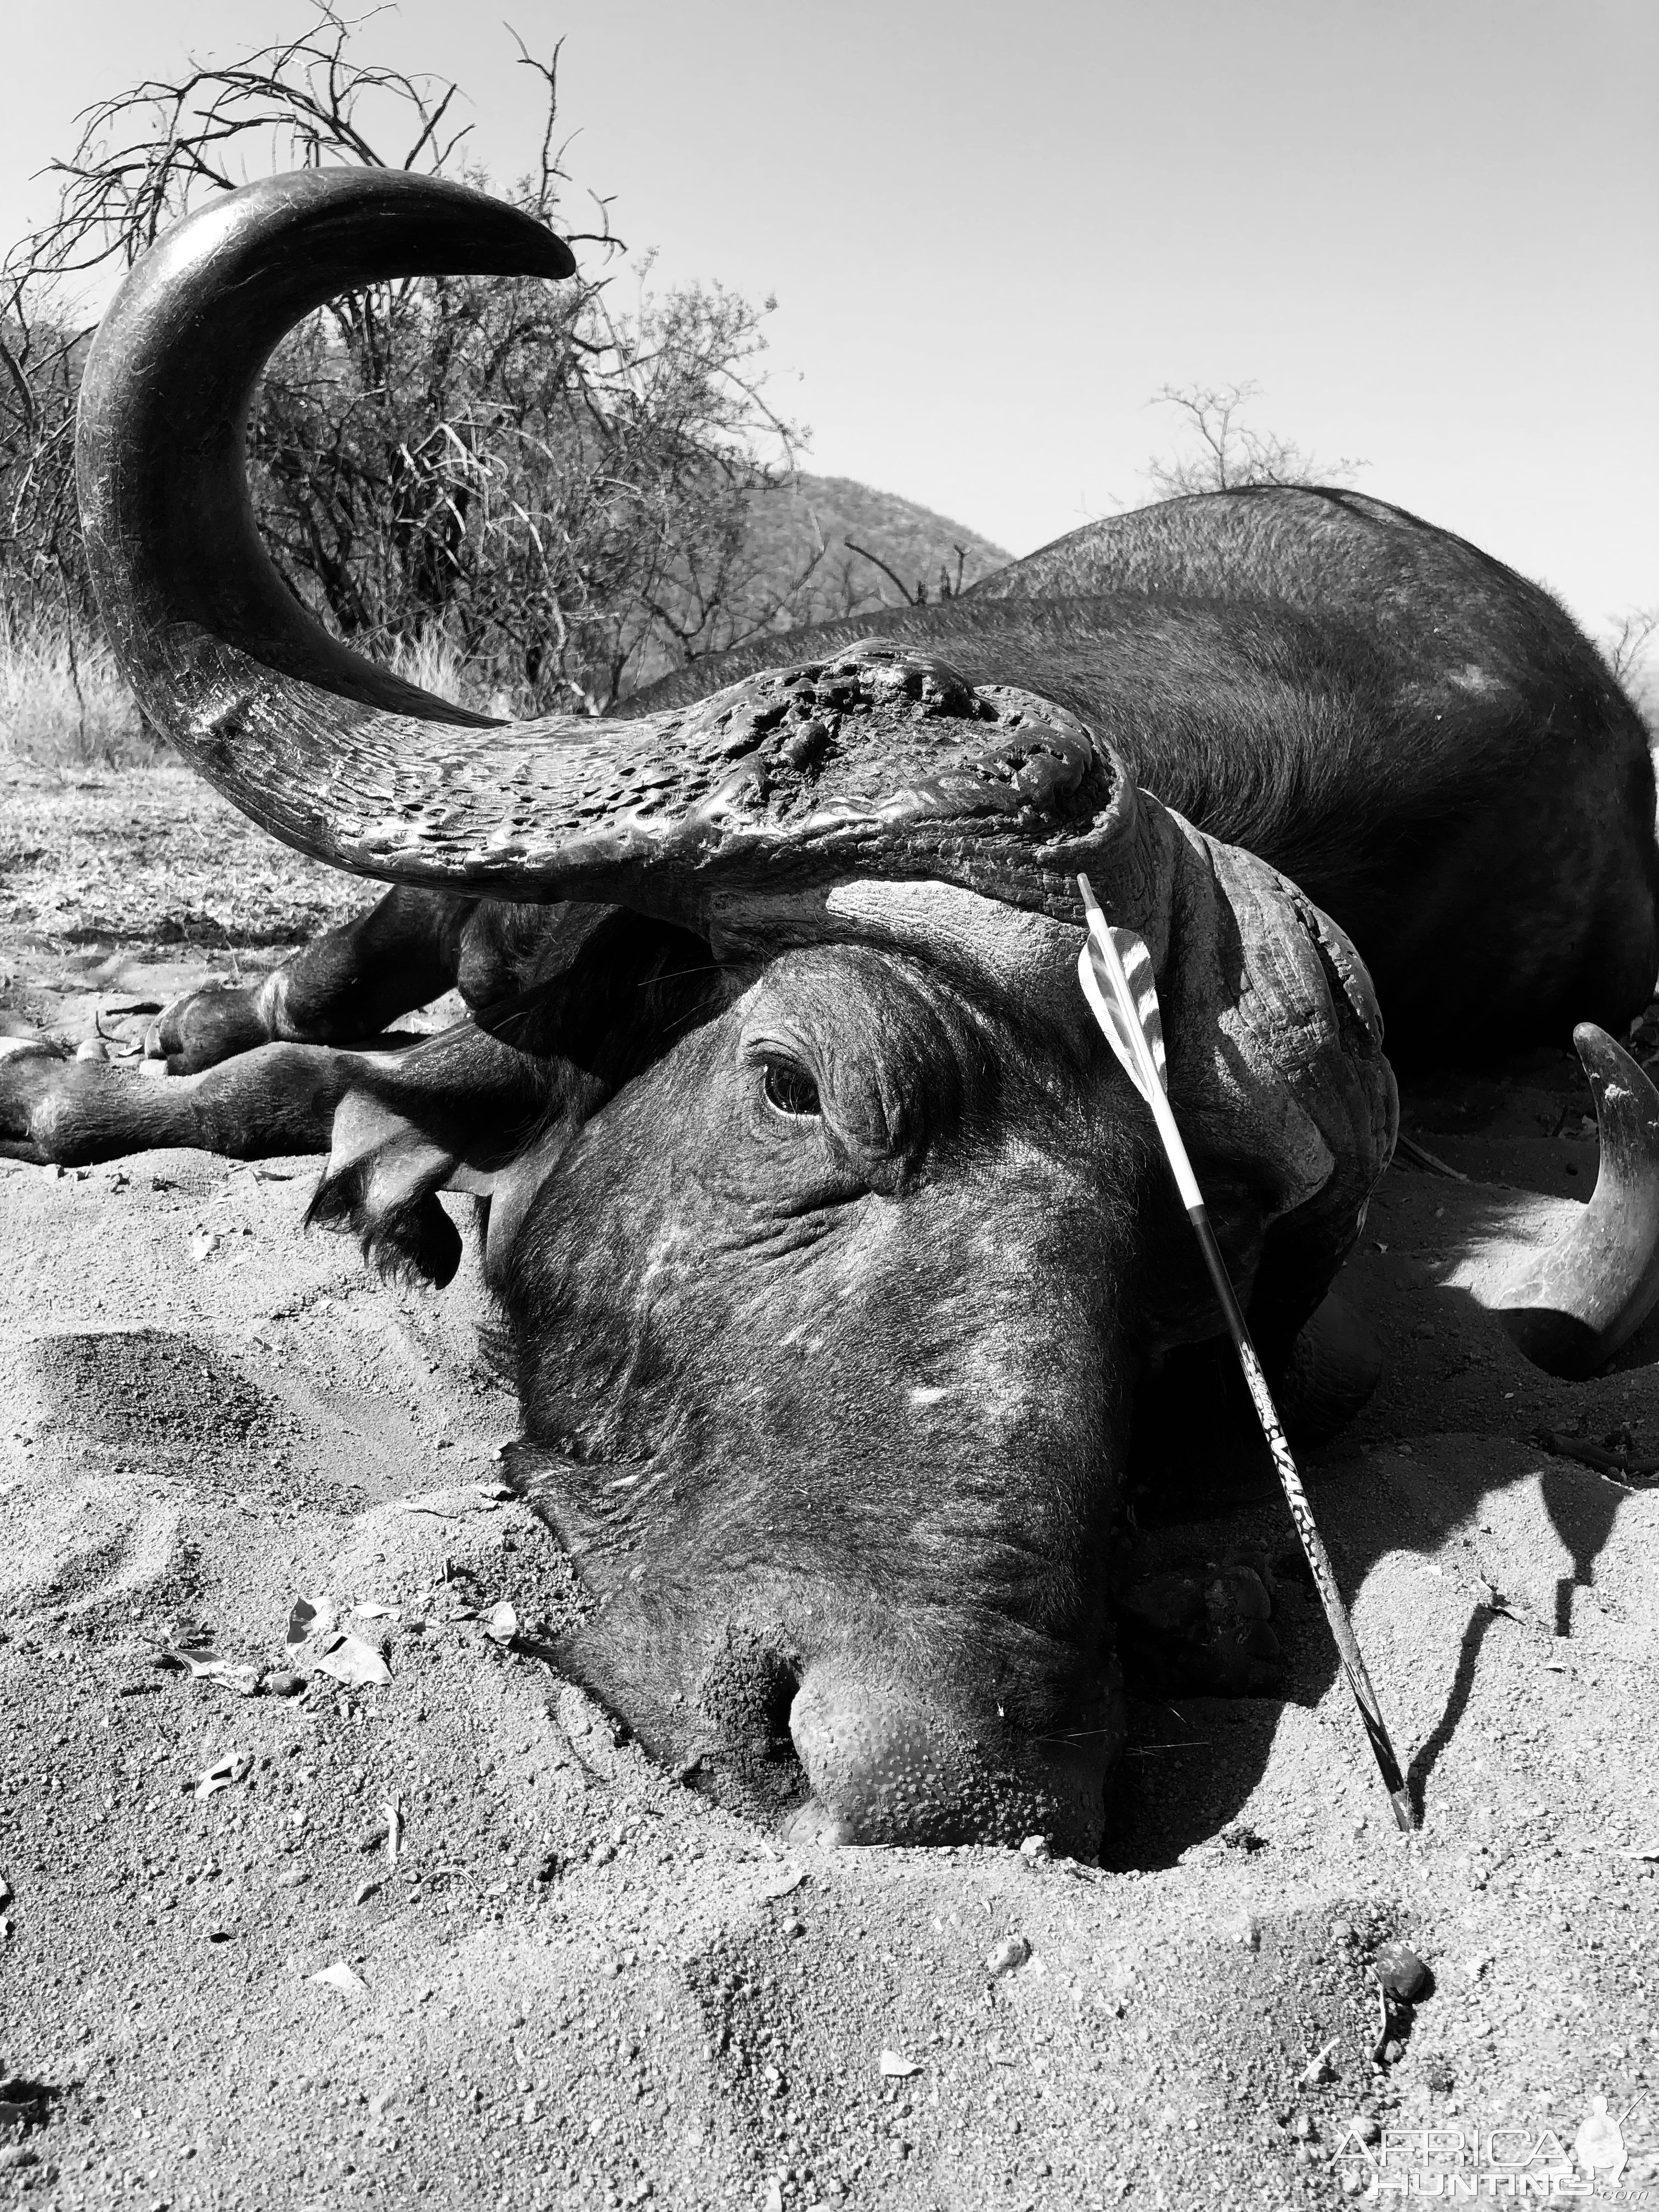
(381, 1185)
(382, 1182)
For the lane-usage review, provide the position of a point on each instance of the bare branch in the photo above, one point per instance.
(1628, 651)
(1627, 648)
(876, 561)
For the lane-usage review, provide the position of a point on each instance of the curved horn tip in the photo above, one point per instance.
(200, 616)
(1572, 1308)
(303, 235)
(471, 232)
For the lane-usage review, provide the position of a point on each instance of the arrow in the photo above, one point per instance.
(1116, 970)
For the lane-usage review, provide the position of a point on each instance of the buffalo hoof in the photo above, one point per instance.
(205, 1027)
(894, 1767)
(1202, 1628)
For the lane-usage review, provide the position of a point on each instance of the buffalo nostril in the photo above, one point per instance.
(779, 1686)
(743, 1698)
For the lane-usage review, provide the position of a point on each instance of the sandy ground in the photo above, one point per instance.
(577, 1984)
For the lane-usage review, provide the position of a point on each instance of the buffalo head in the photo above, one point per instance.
(828, 1269)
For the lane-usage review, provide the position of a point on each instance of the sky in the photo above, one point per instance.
(1425, 228)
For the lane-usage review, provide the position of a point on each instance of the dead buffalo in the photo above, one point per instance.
(832, 1247)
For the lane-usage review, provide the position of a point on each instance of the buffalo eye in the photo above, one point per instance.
(791, 1090)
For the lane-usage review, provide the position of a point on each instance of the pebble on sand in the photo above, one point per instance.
(1400, 1971)
(1003, 1958)
(897, 2068)
(1319, 2069)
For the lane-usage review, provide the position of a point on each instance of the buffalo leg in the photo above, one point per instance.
(476, 1098)
(398, 1126)
(345, 986)
(276, 1099)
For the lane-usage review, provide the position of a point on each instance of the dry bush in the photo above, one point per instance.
(1224, 452)
(542, 486)
(64, 704)
(1628, 649)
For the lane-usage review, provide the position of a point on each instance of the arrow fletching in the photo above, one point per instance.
(1109, 968)
(1116, 970)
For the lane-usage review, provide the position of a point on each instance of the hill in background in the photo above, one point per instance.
(793, 568)
(799, 555)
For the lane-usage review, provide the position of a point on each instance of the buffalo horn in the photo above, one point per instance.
(1571, 1306)
(885, 763)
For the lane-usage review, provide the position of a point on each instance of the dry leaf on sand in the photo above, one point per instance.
(339, 1977)
(354, 1663)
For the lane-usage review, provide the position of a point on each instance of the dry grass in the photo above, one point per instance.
(431, 660)
(63, 709)
(60, 709)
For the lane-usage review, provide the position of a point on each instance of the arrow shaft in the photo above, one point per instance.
(1127, 1038)
(1307, 1530)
